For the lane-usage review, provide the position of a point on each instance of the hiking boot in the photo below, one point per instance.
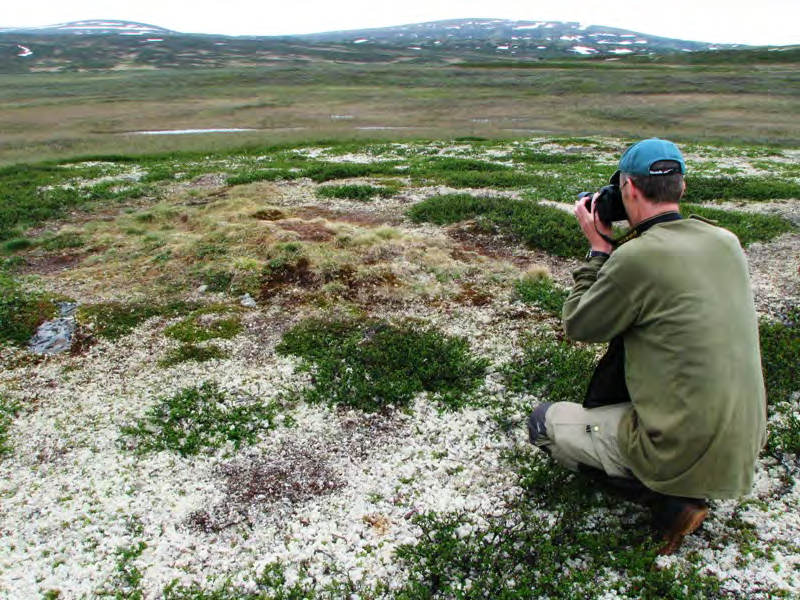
(678, 518)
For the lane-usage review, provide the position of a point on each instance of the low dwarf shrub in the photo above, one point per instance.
(371, 364)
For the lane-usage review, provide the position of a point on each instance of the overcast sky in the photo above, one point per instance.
(760, 22)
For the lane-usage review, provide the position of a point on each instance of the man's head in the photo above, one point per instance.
(655, 168)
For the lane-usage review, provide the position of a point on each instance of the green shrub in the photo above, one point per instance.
(471, 173)
(262, 175)
(541, 291)
(63, 241)
(555, 370)
(748, 227)
(537, 225)
(112, 320)
(320, 172)
(701, 189)
(200, 419)
(203, 325)
(452, 208)
(780, 357)
(449, 164)
(370, 364)
(487, 179)
(355, 192)
(21, 312)
(192, 352)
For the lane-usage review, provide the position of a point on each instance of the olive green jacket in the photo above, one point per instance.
(680, 297)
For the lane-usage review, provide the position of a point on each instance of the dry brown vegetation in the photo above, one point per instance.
(266, 240)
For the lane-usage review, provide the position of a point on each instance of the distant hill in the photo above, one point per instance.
(516, 38)
(110, 44)
(95, 27)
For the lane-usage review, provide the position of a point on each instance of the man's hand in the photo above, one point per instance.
(592, 226)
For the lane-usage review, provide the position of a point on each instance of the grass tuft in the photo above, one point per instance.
(200, 419)
(370, 364)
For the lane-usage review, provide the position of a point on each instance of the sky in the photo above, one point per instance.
(761, 22)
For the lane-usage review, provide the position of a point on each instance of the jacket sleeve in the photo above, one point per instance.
(598, 308)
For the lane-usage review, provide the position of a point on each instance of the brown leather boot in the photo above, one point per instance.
(686, 516)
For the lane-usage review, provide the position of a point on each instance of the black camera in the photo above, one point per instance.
(609, 206)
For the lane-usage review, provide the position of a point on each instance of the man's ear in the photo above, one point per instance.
(635, 193)
(683, 188)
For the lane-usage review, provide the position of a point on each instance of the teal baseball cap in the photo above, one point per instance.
(639, 159)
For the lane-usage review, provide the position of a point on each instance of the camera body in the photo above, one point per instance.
(609, 206)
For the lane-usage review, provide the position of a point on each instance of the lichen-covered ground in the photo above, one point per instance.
(434, 494)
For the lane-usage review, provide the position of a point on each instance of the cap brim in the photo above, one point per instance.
(615, 177)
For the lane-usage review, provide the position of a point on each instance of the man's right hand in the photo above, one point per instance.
(592, 227)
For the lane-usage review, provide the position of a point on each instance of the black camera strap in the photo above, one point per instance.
(640, 228)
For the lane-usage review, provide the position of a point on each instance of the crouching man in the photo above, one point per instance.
(677, 404)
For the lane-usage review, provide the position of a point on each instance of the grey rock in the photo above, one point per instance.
(54, 337)
(67, 309)
(248, 301)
